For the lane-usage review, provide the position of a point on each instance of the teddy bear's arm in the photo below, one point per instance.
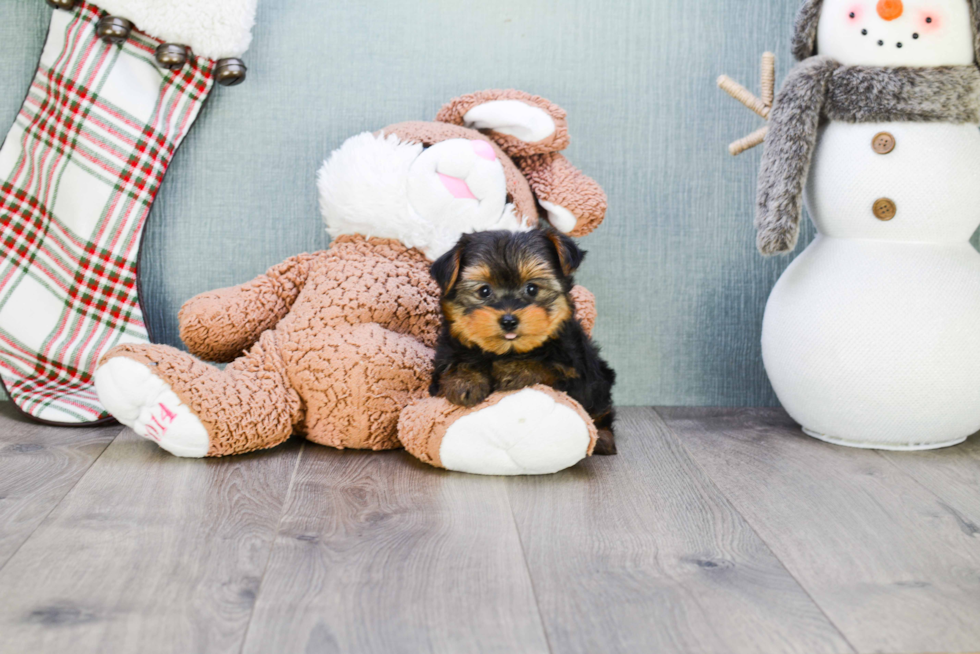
(219, 325)
(585, 311)
(575, 203)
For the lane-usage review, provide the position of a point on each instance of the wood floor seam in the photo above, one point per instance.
(754, 528)
(527, 568)
(60, 500)
(892, 567)
(272, 546)
(905, 473)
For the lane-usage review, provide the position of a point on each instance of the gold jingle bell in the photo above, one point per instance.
(229, 72)
(171, 56)
(113, 29)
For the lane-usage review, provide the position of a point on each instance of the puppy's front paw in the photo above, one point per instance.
(605, 444)
(517, 374)
(464, 387)
(514, 375)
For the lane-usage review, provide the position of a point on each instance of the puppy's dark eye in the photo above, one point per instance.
(484, 292)
(531, 289)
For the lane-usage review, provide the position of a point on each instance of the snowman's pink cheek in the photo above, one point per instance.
(855, 13)
(928, 22)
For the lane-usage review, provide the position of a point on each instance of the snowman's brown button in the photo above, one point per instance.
(883, 143)
(885, 209)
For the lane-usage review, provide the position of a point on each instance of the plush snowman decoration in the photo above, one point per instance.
(871, 338)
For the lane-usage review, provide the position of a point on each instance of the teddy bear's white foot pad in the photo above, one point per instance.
(527, 433)
(145, 403)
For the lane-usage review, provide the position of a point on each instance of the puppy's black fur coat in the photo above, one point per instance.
(485, 280)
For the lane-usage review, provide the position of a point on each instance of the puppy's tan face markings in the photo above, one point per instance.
(478, 274)
(526, 289)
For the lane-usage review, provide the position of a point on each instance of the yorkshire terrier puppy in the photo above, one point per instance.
(509, 322)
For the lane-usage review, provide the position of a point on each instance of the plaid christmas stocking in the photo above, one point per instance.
(79, 171)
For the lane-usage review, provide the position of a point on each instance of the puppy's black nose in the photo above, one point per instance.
(509, 322)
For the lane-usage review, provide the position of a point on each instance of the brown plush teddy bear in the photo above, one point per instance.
(336, 345)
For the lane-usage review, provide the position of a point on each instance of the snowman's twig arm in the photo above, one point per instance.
(752, 140)
(768, 78)
(761, 106)
(790, 143)
(743, 95)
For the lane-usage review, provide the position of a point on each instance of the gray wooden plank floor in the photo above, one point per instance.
(878, 551)
(655, 559)
(147, 553)
(379, 553)
(38, 466)
(714, 530)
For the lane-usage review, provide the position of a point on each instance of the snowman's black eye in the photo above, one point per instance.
(899, 45)
(881, 43)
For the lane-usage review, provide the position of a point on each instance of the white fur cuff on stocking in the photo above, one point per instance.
(215, 29)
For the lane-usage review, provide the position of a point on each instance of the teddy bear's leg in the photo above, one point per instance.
(192, 409)
(355, 381)
(585, 311)
(534, 431)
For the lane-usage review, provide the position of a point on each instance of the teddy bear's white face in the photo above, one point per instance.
(377, 185)
(458, 184)
(915, 33)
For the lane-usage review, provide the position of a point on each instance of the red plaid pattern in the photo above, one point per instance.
(79, 171)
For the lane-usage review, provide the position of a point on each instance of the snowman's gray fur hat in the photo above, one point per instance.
(805, 38)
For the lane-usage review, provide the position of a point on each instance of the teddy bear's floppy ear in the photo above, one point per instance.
(574, 202)
(520, 123)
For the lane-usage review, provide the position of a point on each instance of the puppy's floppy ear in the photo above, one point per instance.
(445, 270)
(570, 255)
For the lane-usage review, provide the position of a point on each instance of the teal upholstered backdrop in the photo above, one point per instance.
(680, 288)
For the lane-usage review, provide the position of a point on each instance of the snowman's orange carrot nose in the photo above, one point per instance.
(890, 9)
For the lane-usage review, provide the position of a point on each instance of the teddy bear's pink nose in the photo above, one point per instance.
(484, 149)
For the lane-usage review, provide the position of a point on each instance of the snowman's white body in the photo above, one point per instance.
(871, 338)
